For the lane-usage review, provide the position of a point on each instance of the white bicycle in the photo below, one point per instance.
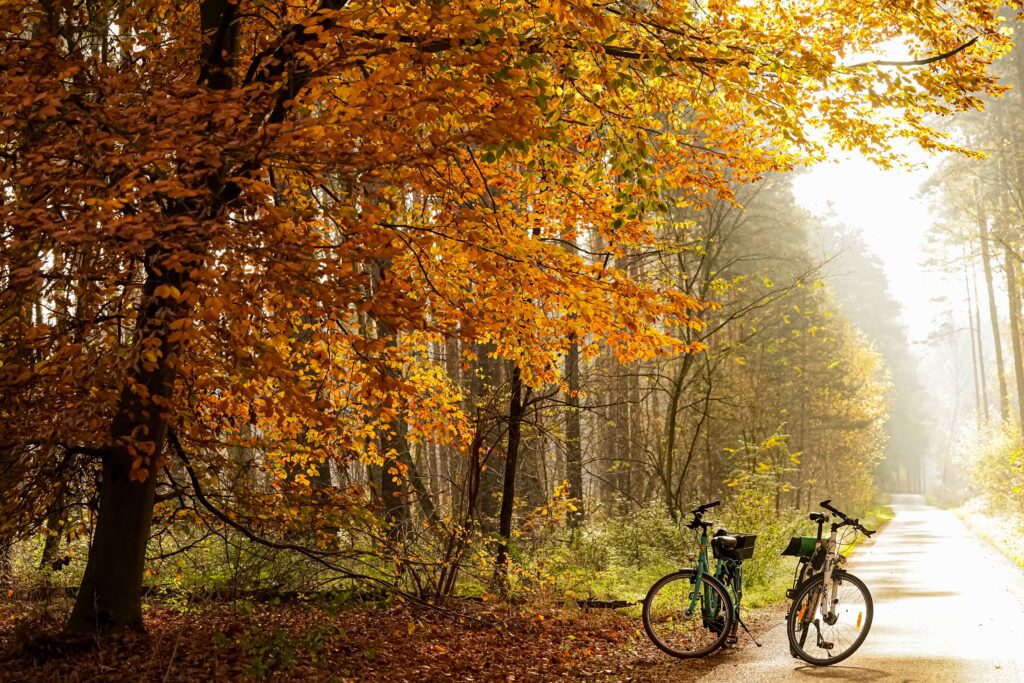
(831, 612)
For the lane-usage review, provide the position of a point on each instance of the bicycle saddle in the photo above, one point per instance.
(724, 541)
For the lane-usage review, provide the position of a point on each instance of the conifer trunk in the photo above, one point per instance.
(574, 447)
(1015, 333)
(986, 263)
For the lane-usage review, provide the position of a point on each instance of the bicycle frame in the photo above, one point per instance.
(727, 572)
(833, 560)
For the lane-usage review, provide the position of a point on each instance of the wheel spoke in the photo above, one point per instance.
(840, 631)
(677, 629)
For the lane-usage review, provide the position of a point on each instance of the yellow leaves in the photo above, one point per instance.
(166, 291)
(737, 75)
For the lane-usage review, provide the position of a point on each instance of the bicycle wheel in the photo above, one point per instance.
(823, 640)
(806, 571)
(674, 628)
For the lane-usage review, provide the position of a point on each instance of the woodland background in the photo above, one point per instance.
(449, 305)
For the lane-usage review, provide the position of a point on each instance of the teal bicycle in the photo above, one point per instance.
(693, 612)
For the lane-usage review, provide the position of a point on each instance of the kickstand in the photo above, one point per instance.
(748, 632)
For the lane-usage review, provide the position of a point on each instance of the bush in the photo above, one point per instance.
(995, 463)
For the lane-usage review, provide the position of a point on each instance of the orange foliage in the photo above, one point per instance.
(281, 217)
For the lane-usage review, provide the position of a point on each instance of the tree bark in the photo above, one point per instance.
(486, 380)
(986, 262)
(393, 476)
(1010, 266)
(6, 564)
(110, 597)
(508, 484)
(981, 349)
(574, 447)
(978, 411)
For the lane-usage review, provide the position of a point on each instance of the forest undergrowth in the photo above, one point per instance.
(545, 630)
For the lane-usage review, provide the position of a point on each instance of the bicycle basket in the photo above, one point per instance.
(744, 549)
(801, 546)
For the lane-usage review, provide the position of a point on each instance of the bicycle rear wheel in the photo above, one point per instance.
(674, 628)
(823, 640)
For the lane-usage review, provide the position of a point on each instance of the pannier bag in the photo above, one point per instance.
(801, 546)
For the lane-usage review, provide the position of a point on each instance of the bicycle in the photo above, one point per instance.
(827, 598)
(693, 612)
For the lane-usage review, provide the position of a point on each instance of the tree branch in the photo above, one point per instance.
(916, 62)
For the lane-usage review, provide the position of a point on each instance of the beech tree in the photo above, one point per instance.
(236, 227)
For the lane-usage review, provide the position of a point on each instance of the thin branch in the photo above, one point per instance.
(916, 62)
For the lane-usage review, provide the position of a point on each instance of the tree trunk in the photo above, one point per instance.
(979, 413)
(394, 473)
(508, 484)
(981, 349)
(54, 530)
(986, 262)
(574, 448)
(6, 563)
(1014, 304)
(110, 597)
(486, 380)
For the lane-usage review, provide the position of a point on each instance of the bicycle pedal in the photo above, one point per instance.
(731, 640)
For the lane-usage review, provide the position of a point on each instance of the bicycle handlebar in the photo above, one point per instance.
(847, 521)
(705, 506)
(698, 522)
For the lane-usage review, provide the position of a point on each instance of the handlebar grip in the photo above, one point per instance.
(827, 504)
(705, 506)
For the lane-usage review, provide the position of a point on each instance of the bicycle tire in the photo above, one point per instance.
(687, 636)
(806, 574)
(855, 604)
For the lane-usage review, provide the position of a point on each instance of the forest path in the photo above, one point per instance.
(948, 607)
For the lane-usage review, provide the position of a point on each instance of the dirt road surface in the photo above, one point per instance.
(948, 607)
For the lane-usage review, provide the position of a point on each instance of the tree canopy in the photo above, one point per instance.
(243, 224)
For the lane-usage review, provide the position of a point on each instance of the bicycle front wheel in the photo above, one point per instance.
(821, 633)
(679, 630)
